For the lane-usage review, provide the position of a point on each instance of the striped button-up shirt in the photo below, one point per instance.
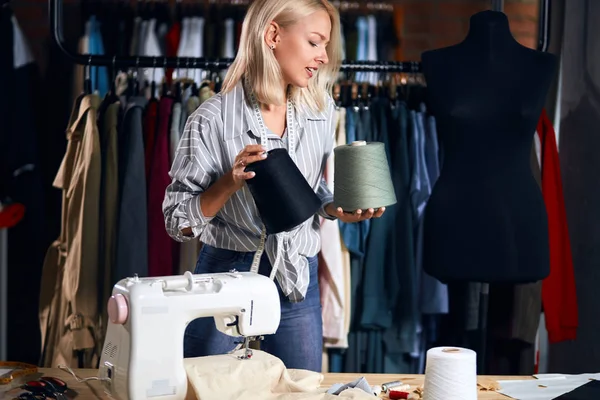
(213, 136)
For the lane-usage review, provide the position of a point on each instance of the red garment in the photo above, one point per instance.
(559, 296)
(160, 252)
(150, 122)
(11, 214)
(172, 44)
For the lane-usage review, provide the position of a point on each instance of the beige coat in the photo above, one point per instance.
(69, 307)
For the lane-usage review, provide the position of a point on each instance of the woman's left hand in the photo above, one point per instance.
(356, 216)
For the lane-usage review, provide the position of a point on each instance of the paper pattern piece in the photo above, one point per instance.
(545, 386)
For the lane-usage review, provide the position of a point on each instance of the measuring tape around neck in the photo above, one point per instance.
(291, 151)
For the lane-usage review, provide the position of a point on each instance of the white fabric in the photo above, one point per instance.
(143, 33)
(185, 34)
(191, 45)
(21, 51)
(372, 46)
(185, 96)
(133, 46)
(538, 148)
(229, 51)
(175, 133)
(262, 377)
(151, 48)
(361, 50)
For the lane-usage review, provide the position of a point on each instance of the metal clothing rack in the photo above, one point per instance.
(56, 26)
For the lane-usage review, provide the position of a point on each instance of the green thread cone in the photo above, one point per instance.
(362, 178)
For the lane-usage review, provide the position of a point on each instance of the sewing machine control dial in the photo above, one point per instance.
(117, 309)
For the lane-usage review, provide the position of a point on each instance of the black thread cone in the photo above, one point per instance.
(282, 195)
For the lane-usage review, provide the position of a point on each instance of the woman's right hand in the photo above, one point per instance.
(249, 154)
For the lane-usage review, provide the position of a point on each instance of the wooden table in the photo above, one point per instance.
(92, 390)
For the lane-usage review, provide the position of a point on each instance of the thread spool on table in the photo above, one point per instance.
(450, 374)
(362, 178)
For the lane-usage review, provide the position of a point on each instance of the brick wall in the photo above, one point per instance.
(428, 24)
(421, 24)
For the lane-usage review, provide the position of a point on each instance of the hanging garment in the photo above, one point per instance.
(186, 94)
(150, 126)
(151, 48)
(399, 338)
(160, 245)
(172, 44)
(362, 27)
(333, 276)
(229, 45)
(98, 75)
(559, 296)
(372, 46)
(434, 294)
(189, 251)
(109, 190)
(377, 308)
(132, 241)
(333, 354)
(174, 133)
(135, 36)
(69, 306)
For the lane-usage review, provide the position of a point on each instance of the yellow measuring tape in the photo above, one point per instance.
(18, 369)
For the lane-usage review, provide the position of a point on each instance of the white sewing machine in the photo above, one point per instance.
(143, 350)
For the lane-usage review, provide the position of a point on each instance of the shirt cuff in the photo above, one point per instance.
(322, 212)
(196, 219)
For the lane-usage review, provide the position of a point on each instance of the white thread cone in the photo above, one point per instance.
(450, 374)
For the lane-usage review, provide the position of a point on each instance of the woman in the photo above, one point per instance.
(275, 95)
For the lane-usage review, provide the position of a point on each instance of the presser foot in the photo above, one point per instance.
(245, 344)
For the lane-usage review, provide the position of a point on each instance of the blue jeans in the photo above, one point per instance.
(298, 341)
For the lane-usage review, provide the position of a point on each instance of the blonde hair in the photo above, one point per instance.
(256, 63)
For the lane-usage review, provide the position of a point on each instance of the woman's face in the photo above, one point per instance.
(300, 49)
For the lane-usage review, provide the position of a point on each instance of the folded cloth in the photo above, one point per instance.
(360, 383)
(262, 377)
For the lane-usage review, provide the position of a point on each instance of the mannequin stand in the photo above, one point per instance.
(484, 296)
(3, 293)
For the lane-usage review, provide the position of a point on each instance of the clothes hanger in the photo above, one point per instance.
(133, 86)
(337, 94)
(87, 79)
(164, 85)
(111, 96)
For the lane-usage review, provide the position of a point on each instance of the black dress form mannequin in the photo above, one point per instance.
(486, 220)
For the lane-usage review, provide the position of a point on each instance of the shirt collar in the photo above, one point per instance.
(236, 108)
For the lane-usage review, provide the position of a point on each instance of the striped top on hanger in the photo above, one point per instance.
(214, 134)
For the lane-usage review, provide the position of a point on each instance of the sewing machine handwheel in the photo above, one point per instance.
(117, 309)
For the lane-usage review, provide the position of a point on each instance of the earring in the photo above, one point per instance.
(272, 47)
